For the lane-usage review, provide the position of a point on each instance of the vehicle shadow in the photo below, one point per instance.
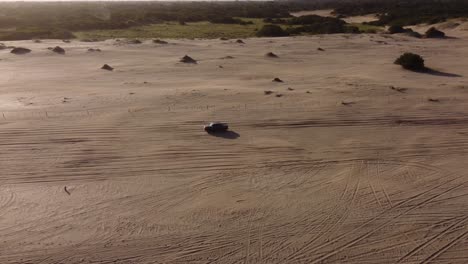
(228, 134)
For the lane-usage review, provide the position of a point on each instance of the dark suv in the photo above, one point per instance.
(216, 127)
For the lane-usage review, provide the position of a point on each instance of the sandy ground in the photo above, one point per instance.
(114, 167)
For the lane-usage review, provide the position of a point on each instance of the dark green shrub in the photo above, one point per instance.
(396, 29)
(35, 33)
(20, 51)
(411, 61)
(314, 19)
(434, 33)
(228, 20)
(272, 31)
(352, 30)
(314, 24)
(275, 20)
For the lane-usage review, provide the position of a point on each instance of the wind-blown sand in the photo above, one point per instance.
(114, 166)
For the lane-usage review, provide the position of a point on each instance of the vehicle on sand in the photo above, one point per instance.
(216, 127)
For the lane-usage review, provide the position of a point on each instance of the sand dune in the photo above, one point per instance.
(114, 166)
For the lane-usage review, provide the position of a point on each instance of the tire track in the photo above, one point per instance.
(431, 240)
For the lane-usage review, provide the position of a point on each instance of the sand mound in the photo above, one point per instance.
(188, 59)
(159, 41)
(271, 55)
(58, 50)
(20, 51)
(434, 33)
(134, 41)
(107, 67)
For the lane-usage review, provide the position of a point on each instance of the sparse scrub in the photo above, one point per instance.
(58, 50)
(188, 59)
(271, 55)
(20, 51)
(411, 61)
(58, 21)
(35, 33)
(272, 31)
(396, 29)
(434, 33)
(158, 41)
(313, 24)
(107, 67)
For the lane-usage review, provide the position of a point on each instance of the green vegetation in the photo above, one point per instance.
(434, 33)
(176, 30)
(365, 28)
(395, 29)
(236, 19)
(314, 24)
(35, 33)
(411, 61)
(403, 13)
(272, 31)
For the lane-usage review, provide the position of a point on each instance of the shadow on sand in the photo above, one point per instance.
(439, 73)
(227, 134)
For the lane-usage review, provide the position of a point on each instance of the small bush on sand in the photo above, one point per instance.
(107, 67)
(20, 51)
(434, 33)
(188, 59)
(411, 61)
(159, 41)
(396, 29)
(58, 50)
(271, 31)
(271, 55)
